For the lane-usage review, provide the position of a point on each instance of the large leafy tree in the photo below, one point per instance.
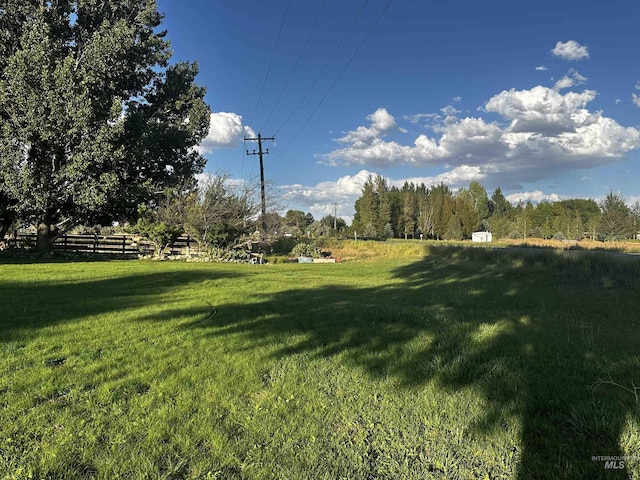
(480, 200)
(94, 118)
(465, 213)
(296, 218)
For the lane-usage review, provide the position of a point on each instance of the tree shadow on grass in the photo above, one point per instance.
(531, 332)
(30, 305)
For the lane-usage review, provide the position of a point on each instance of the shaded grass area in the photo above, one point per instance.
(447, 363)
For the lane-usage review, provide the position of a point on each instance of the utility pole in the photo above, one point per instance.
(260, 139)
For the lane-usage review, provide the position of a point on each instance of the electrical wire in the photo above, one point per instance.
(384, 10)
(295, 65)
(324, 68)
(273, 54)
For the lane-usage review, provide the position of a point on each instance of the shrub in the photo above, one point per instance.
(559, 236)
(283, 246)
(232, 255)
(306, 249)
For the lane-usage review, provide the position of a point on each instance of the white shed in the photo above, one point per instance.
(483, 237)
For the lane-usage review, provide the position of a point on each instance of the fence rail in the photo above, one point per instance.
(106, 244)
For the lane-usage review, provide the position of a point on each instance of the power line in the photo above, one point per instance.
(315, 81)
(306, 42)
(334, 83)
(273, 54)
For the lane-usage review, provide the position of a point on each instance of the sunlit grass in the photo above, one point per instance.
(415, 361)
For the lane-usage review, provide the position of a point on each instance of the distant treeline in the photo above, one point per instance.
(438, 212)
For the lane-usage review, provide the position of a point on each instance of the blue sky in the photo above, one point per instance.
(539, 98)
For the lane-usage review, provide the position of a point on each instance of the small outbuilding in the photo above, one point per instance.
(481, 237)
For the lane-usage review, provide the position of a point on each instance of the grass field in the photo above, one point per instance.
(408, 361)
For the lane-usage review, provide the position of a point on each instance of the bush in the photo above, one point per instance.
(559, 236)
(232, 255)
(283, 246)
(306, 249)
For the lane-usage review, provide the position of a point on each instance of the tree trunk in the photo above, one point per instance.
(6, 222)
(46, 236)
(3, 231)
(5, 225)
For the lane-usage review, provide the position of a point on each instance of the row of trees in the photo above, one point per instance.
(385, 211)
(297, 223)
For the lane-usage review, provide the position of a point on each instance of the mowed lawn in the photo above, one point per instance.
(447, 362)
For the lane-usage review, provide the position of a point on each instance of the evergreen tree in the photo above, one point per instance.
(635, 216)
(370, 231)
(499, 205)
(373, 208)
(442, 204)
(454, 229)
(395, 201)
(366, 208)
(408, 213)
(616, 222)
(387, 231)
(383, 214)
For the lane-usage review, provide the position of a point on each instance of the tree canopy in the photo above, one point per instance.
(94, 118)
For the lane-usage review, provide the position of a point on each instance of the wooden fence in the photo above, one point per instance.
(124, 245)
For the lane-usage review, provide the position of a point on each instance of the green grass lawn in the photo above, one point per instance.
(451, 363)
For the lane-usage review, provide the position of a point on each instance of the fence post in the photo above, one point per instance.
(64, 243)
(124, 245)
(95, 243)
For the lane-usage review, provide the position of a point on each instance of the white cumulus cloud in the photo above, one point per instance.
(543, 131)
(539, 110)
(206, 178)
(457, 177)
(381, 121)
(422, 117)
(571, 79)
(319, 199)
(225, 131)
(570, 50)
(536, 196)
